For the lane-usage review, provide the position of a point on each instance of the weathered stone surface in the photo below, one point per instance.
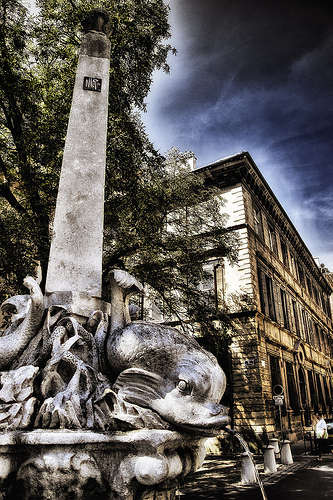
(162, 369)
(77, 303)
(98, 20)
(83, 464)
(16, 338)
(95, 45)
(63, 475)
(17, 401)
(165, 382)
(134, 375)
(75, 262)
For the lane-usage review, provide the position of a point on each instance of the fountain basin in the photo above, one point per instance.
(47, 464)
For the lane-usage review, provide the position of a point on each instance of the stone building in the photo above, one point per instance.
(280, 300)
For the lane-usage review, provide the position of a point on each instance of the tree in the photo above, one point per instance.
(38, 58)
(24, 210)
(165, 235)
(161, 223)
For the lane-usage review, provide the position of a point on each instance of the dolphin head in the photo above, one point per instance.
(188, 396)
(17, 306)
(191, 399)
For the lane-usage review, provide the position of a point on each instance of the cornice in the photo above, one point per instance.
(241, 168)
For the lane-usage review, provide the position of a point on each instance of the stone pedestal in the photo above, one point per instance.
(87, 465)
(269, 460)
(248, 472)
(286, 456)
(275, 443)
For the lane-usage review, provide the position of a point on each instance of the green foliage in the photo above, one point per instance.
(164, 233)
(38, 59)
(161, 222)
(23, 206)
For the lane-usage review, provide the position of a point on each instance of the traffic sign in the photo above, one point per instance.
(278, 390)
(278, 400)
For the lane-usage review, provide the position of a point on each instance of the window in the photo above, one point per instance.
(315, 295)
(275, 371)
(323, 340)
(305, 322)
(301, 274)
(207, 284)
(293, 396)
(309, 285)
(285, 309)
(330, 350)
(302, 386)
(304, 399)
(312, 391)
(327, 395)
(317, 344)
(320, 393)
(296, 317)
(293, 267)
(270, 297)
(284, 252)
(326, 305)
(311, 332)
(267, 301)
(261, 290)
(257, 220)
(272, 239)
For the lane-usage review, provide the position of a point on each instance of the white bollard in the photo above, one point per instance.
(275, 443)
(269, 460)
(286, 456)
(248, 469)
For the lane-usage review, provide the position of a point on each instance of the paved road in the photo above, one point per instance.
(307, 479)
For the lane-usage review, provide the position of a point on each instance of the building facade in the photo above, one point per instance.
(279, 297)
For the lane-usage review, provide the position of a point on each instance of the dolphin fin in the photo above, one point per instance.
(139, 386)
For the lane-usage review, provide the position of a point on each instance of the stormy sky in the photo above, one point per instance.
(255, 75)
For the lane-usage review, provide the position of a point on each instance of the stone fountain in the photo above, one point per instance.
(92, 404)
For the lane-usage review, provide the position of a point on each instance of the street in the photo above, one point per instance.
(306, 479)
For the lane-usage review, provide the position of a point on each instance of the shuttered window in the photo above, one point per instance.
(275, 371)
(293, 395)
(272, 239)
(312, 392)
(270, 298)
(295, 311)
(257, 220)
(285, 258)
(320, 393)
(285, 314)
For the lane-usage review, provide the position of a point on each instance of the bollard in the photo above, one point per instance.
(275, 443)
(269, 460)
(286, 456)
(248, 469)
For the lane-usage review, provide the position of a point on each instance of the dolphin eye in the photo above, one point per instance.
(182, 385)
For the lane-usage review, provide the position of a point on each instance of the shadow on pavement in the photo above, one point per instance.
(220, 478)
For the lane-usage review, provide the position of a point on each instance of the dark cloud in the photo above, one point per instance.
(256, 75)
(252, 40)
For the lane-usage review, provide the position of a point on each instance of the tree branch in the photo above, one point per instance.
(6, 193)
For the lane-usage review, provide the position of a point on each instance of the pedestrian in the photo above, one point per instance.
(321, 435)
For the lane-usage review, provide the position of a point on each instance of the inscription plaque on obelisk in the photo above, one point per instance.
(75, 262)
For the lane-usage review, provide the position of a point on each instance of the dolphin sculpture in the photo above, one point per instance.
(28, 315)
(163, 369)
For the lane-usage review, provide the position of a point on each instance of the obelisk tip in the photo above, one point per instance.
(98, 20)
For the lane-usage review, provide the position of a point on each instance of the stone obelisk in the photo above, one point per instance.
(75, 263)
